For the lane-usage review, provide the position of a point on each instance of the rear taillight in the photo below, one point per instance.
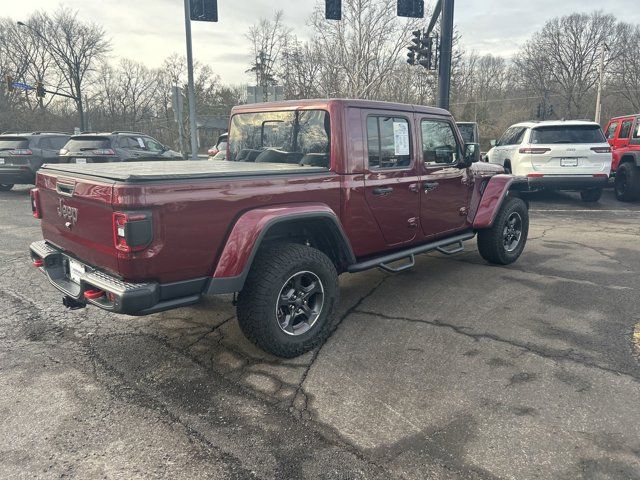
(535, 175)
(21, 151)
(104, 151)
(63, 151)
(534, 151)
(34, 193)
(132, 232)
(601, 149)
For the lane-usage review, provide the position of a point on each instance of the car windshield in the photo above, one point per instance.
(87, 143)
(467, 132)
(567, 134)
(299, 138)
(13, 143)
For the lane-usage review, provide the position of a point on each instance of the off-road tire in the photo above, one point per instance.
(491, 241)
(258, 301)
(627, 182)
(591, 195)
(5, 187)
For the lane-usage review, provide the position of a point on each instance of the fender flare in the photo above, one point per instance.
(635, 158)
(247, 234)
(493, 197)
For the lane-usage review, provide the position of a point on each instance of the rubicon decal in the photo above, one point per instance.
(67, 212)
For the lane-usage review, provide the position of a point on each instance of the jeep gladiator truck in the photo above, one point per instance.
(310, 190)
(623, 134)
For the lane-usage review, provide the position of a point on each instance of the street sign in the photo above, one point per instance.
(203, 10)
(21, 85)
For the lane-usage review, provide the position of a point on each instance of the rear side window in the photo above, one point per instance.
(513, 136)
(439, 146)
(611, 131)
(11, 143)
(636, 131)
(79, 144)
(299, 137)
(388, 142)
(132, 143)
(568, 134)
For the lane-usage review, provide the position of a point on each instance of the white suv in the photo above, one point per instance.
(557, 155)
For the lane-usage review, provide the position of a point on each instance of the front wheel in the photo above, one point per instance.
(504, 242)
(289, 299)
(5, 187)
(591, 195)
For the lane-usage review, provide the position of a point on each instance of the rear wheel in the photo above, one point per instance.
(5, 187)
(627, 182)
(504, 242)
(507, 167)
(591, 194)
(289, 299)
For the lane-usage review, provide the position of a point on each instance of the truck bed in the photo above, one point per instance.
(178, 170)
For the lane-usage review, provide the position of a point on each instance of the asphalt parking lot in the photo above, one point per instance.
(455, 369)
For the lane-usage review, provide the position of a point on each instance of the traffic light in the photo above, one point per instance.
(411, 8)
(40, 91)
(333, 9)
(415, 48)
(203, 10)
(426, 52)
(10, 87)
(411, 56)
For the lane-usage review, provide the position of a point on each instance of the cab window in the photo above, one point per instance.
(439, 145)
(611, 131)
(625, 130)
(388, 142)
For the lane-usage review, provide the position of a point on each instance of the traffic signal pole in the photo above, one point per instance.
(444, 74)
(193, 125)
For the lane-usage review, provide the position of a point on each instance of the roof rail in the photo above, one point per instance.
(49, 133)
(12, 132)
(124, 131)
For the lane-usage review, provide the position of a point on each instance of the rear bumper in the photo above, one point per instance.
(118, 296)
(16, 174)
(566, 182)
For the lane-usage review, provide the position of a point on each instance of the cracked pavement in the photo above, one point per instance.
(455, 369)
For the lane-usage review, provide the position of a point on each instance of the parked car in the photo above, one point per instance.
(219, 150)
(623, 134)
(22, 154)
(114, 147)
(378, 185)
(556, 155)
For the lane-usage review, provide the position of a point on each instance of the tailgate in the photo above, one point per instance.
(77, 217)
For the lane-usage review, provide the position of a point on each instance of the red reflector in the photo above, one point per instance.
(38, 262)
(535, 175)
(93, 294)
(600, 175)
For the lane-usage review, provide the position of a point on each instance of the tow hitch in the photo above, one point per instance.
(72, 303)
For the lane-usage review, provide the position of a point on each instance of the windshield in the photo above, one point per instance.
(13, 143)
(88, 143)
(567, 134)
(467, 132)
(300, 138)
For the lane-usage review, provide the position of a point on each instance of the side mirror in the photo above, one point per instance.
(471, 154)
(493, 143)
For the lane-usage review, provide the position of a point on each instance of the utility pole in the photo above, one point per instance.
(193, 125)
(446, 46)
(600, 80)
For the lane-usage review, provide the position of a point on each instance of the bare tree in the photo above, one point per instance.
(268, 38)
(625, 68)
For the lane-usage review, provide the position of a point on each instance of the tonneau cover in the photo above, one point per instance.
(178, 170)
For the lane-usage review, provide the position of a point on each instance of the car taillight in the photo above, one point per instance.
(535, 175)
(21, 151)
(104, 151)
(34, 193)
(212, 151)
(63, 151)
(132, 232)
(534, 151)
(601, 149)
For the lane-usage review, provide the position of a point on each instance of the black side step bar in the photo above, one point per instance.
(384, 261)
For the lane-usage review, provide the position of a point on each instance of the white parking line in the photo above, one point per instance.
(583, 211)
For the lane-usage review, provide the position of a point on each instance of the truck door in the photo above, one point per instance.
(391, 181)
(445, 188)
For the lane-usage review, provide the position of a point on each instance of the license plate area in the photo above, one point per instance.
(568, 162)
(74, 270)
(81, 161)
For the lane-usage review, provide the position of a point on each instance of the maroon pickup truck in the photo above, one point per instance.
(309, 190)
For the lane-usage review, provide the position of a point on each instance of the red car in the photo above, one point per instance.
(623, 134)
(311, 189)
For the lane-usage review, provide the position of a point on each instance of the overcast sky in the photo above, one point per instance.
(150, 30)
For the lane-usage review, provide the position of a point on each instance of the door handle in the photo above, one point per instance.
(428, 186)
(414, 187)
(383, 191)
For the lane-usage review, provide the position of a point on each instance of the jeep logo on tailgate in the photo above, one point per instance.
(67, 212)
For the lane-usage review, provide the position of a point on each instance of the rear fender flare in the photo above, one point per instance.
(497, 189)
(632, 157)
(249, 231)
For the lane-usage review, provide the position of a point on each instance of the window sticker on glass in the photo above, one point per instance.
(140, 142)
(401, 138)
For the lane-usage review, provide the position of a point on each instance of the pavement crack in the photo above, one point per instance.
(209, 332)
(551, 354)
